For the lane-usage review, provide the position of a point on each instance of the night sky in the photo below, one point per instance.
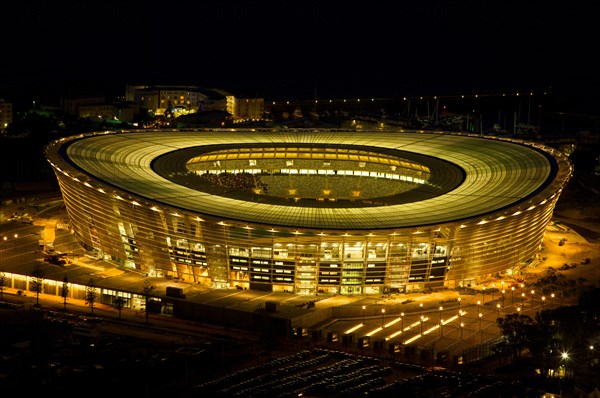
(323, 48)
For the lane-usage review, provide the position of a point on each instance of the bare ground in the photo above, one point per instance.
(578, 213)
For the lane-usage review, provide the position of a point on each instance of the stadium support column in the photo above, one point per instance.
(216, 253)
(453, 278)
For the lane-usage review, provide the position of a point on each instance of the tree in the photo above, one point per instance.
(543, 341)
(3, 283)
(119, 303)
(38, 282)
(516, 331)
(147, 293)
(64, 291)
(91, 293)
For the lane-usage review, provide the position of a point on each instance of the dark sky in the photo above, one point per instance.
(333, 47)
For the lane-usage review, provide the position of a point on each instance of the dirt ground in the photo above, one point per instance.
(578, 215)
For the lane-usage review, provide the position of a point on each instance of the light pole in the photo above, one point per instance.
(462, 325)
(421, 325)
(498, 308)
(522, 299)
(480, 315)
(543, 301)
(552, 297)
(561, 297)
(533, 291)
(512, 295)
(441, 333)
(478, 307)
(2, 252)
(483, 294)
(382, 317)
(402, 321)
(363, 314)
(493, 288)
(522, 286)
(503, 291)
(565, 358)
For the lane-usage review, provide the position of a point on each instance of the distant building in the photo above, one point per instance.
(6, 114)
(174, 101)
(245, 108)
(71, 105)
(204, 119)
(124, 112)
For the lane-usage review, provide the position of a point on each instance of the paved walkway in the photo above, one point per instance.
(129, 322)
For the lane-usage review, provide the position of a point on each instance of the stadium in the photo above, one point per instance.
(310, 211)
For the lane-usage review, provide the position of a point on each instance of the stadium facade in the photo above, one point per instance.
(309, 211)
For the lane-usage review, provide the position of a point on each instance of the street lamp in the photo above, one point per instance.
(533, 291)
(382, 316)
(522, 286)
(512, 295)
(565, 357)
(402, 321)
(483, 294)
(543, 301)
(562, 295)
(503, 291)
(498, 308)
(493, 288)
(522, 299)
(2, 251)
(462, 325)
(441, 308)
(421, 324)
(363, 314)
(552, 296)
(478, 307)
